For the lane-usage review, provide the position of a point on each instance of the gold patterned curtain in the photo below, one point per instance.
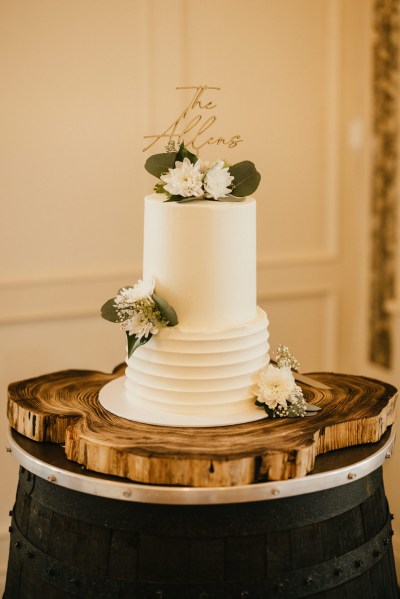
(384, 176)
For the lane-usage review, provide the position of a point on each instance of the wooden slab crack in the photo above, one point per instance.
(63, 407)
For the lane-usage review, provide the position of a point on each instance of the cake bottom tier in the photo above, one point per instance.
(186, 378)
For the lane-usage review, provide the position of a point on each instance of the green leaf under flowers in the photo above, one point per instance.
(246, 178)
(134, 342)
(311, 408)
(184, 153)
(182, 199)
(109, 311)
(158, 164)
(167, 312)
(175, 198)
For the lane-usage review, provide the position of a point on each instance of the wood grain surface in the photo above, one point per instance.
(63, 407)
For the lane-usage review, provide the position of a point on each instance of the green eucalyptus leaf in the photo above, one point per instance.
(311, 408)
(134, 342)
(166, 311)
(175, 198)
(109, 312)
(182, 199)
(246, 178)
(158, 164)
(184, 153)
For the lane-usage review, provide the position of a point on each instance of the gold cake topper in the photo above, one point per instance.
(192, 124)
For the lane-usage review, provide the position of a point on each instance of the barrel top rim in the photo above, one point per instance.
(29, 455)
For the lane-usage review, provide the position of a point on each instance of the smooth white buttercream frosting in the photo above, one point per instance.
(202, 255)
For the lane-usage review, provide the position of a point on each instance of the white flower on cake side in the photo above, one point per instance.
(140, 312)
(276, 389)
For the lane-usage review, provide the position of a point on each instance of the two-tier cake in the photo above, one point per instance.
(201, 255)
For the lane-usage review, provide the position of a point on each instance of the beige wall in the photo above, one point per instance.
(83, 81)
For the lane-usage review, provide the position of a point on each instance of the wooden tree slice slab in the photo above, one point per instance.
(63, 407)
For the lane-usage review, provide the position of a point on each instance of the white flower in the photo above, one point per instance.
(276, 386)
(140, 325)
(217, 181)
(129, 295)
(184, 180)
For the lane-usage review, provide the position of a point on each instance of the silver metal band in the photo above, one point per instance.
(129, 491)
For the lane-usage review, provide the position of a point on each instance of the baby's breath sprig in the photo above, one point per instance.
(284, 358)
(170, 146)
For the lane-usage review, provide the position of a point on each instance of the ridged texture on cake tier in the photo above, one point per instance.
(202, 256)
(195, 373)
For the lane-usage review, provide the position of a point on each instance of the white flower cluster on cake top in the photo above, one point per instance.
(184, 177)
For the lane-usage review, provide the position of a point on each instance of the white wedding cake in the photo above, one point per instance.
(202, 257)
(196, 338)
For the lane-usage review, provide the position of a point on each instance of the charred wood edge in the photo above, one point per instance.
(296, 583)
(281, 514)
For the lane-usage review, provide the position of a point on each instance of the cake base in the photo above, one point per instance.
(114, 399)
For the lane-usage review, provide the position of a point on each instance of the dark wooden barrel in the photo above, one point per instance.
(329, 544)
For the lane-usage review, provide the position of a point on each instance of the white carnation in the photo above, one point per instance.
(217, 181)
(184, 180)
(276, 386)
(140, 325)
(129, 295)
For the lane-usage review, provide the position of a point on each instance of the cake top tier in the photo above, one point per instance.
(202, 254)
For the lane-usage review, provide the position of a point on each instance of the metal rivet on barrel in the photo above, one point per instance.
(386, 541)
(358, 563)
(275, 491)
(245, 595)
(351, 475)
(338, 571)
(52, 478)
(128, 494)
(159, 594)
(308, 580)
(76, 581)
(392, 516)
(17, 544)
(279, 587)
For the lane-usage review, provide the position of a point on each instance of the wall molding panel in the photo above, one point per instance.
(61, 297)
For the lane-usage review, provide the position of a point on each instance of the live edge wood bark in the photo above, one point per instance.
(63, 407)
